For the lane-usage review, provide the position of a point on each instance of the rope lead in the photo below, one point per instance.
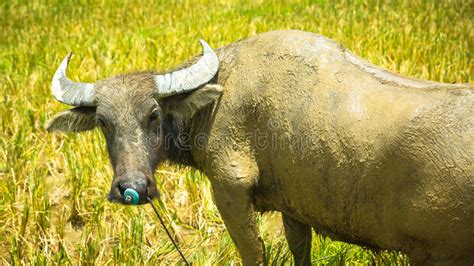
(167, 232)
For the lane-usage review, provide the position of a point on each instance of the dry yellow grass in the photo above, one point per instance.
(52, 187)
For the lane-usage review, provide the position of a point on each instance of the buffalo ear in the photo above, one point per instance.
(73, 120)
(198, 99)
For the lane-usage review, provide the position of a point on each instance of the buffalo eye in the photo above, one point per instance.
(154, 115)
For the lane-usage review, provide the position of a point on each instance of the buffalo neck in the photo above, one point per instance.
(186, 137)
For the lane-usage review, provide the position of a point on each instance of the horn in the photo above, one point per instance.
(190, 78)
(69, 92)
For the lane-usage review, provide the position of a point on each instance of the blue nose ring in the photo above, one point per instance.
(131, 196)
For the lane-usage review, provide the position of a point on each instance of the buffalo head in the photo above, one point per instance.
(132, 112)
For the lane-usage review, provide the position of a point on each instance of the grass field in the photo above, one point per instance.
(53, 187)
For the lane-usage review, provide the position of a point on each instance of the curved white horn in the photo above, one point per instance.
(69, 92)
(189, 78)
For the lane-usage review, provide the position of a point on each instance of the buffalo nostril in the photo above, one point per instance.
(152, 191)
(121, 188)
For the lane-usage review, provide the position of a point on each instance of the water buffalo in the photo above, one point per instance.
(293, 122)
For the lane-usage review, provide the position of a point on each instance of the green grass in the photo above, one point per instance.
(52, 187)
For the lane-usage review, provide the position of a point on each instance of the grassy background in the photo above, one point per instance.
(52, 187)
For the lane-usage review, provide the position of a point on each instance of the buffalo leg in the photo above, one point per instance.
(298, 236)
(238, 214)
